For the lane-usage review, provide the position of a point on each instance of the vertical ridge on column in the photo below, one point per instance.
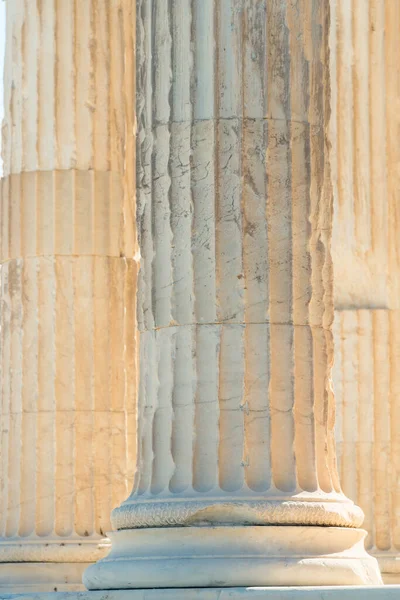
(84, 402)
(204, 159)
(361, 128)
(101, 85)
(83, 202)
(345, 148)
(15, 216)
(148, 396)
(254, 59)
(350, 402)
(365, 410)
(183, 403)
(180, 163)
(394, 335)
(64, 191)
(30, 395)
(45, 201)
(302, 66)
(229, 226)
(28, 62)
(103, 451)
(65, 111)
(5, 397)
(231, 459)
(131, 357)
(46, 84)
(381, 429)
(144, 161)
(118, 270)
(45, 475)
(378, 180)
(18, 117)
(4, 224)
(14, 451)
(84, 88)
(162, 232)
(29, 65)
(279, 218)
(337, 382)
(256, 409)
(321, 302)
(229, 244)
(116, 112)
(198, 464)
(256, 401)
(392, 86)
(6, 127)
(65, 395)
(163, 464)
(206, 420)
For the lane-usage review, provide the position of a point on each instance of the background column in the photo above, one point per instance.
(235, 305)
(67, 288)
(366, 126)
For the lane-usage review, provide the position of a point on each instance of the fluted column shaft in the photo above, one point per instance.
(235, 290)
(67, 287)
(364, 46)
(366, 384)
(235, 306)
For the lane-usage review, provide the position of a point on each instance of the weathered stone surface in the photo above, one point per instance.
(68, 284)
(365, 159)
(235, 299)
(364, 42)
(366, 384)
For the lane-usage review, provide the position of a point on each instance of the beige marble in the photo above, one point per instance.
(365, 125)
(366, 380)
(364, 132)
(235, 306)
(68, 280)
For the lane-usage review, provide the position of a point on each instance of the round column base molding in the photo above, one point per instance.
(53, 550)
(20, 578)
(234, 557)
(389, 564)
(332, 512)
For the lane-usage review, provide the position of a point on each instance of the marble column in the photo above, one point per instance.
(366, 125)
(235, 306)
(367, 386)
(67, 289)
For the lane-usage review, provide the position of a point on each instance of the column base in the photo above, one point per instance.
(47, 564)
(389, 564)
(250, 593)
(234, 557)
(20, 578)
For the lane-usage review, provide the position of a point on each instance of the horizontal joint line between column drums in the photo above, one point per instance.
(219, 118)
(322, 497)
(241, 323)
(88, 255)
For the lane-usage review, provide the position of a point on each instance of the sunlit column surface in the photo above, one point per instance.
(68, 283)
(236, 411)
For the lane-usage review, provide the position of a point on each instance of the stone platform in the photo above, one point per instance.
(389, 592)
